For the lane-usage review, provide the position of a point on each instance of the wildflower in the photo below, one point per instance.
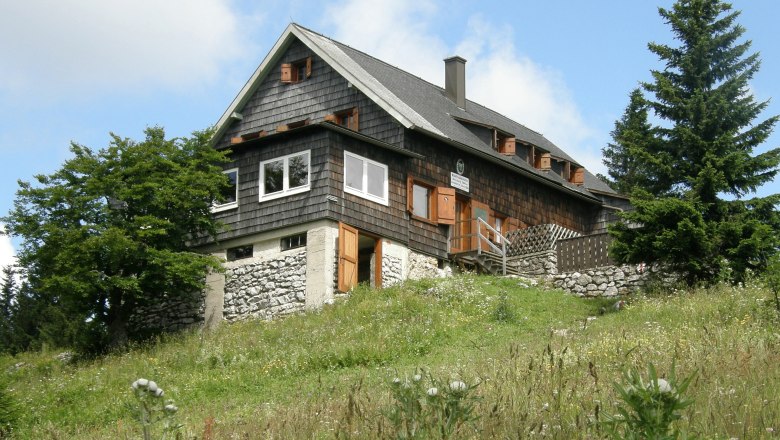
(416, 378)
(159, 392)
(171, 408)
(433, 392)
(663, 386)
(140, 383)
(457, 385)
(396, 381)
(152, 386)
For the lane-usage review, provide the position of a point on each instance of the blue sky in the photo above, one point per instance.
(76, 70)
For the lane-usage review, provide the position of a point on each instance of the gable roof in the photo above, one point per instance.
(416, 104)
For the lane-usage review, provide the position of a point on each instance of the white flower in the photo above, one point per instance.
(171, 408)
(396, 381)
(433, 392)
(416, 378)
(663, 386)
(152, 386)
(457, 385)
(142, 383)
(159, 392)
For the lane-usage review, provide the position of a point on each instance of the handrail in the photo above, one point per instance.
(503, 240)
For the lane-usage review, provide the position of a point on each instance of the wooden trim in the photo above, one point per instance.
(287, 70)
(308, 67)
(378, 263)
(445, 209)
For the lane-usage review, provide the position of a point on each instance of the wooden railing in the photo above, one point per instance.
(537, 239)
(582, 253)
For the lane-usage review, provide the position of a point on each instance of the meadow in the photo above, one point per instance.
(537, 363)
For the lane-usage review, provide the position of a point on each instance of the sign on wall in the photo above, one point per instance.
(459, 182)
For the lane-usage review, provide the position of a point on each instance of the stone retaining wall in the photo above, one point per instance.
(537, 264)
(267, 288)
(168, 315)
(605, 281)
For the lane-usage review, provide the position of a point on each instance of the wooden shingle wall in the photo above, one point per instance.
(504, 191)
(274, 103)
(253, 216)
(389, 221)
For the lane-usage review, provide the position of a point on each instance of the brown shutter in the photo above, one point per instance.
(445, 205)
(308, 67)
(507, 146)
(578, 177)
(282, 128)
(545, 161)
(331, 118)
(409, 193)
(355, 123)
(348, 257)
(287, 70)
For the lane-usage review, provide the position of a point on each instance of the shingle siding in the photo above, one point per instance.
(274, 103)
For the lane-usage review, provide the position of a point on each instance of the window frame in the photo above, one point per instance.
(286, 191)
(238, 250)
(343, 119)
(229, 205)
(299, 245)
(384, 200)
(432, 200)
(297, 67)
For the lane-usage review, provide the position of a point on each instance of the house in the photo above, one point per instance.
(346, 169)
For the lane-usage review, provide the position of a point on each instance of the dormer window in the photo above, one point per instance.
(296, 71)
(505, 144)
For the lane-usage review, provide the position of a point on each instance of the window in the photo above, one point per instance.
(293, 242)
(365, 178)
(284, 176)
(346, 118)
(428, 202)
(296, 71)
(240, 252)
(229, 193)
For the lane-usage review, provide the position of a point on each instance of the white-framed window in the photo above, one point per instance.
(286, 175)
(365, 178)
(229, 193)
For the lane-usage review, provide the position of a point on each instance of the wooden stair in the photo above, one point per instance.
(486, 262)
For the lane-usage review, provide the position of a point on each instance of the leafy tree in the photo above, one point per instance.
(7, 298)
(702, 152)
(109, 231)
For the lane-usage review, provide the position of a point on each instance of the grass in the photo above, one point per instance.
(544, 369)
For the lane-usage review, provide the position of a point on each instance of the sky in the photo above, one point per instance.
(78, 70)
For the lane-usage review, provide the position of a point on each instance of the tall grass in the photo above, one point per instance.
(544, 368)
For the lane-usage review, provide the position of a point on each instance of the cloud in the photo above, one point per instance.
(7, 253)
(61, 48)
(497, 75)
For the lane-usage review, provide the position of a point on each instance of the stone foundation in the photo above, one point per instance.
(537, 264)
(265, 289)
(168, 315)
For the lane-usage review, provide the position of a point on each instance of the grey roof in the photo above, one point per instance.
(416, 104)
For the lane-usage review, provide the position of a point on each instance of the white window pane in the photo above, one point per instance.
(353, 172)
(376, 180)
(298, 171)
(420, 201)
(274, 176)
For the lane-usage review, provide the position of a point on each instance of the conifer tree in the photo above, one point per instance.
(702, 152)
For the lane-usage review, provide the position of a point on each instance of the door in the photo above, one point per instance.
(479, 210)
(348, 257)
(462, 228)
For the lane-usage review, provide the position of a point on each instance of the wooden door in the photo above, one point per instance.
(462, 227)
(348, 257)
(479, 210)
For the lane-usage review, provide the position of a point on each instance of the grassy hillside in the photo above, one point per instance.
(543, 368)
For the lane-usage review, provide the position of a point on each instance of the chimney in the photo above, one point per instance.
(455, 80)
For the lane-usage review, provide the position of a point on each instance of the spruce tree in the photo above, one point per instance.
(702, 152)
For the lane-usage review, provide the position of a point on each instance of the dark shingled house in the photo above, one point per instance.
(348, 170)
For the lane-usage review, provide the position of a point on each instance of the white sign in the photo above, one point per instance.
(459, 182)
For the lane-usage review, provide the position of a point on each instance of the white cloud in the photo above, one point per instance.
(498, 76)
(7, 253)
(66, 48)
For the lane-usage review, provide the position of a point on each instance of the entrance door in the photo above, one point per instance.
(479, 210)
(462, 227)
(348, 257)
(359, 252)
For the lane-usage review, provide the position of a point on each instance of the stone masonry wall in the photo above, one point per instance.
(605, 281)
(537, 264)
(168, 314)
(424, 266)
(265, 289)
(392, 270)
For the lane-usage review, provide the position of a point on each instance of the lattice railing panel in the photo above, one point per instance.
(537, 239)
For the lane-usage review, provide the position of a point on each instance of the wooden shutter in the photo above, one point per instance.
(331, 118)
(355, 124)
(348, 257)
(308, 67)
(507, 146)
(409, 194)
(578, 176)
(445, 205)
(287, 72)
(545, 161)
